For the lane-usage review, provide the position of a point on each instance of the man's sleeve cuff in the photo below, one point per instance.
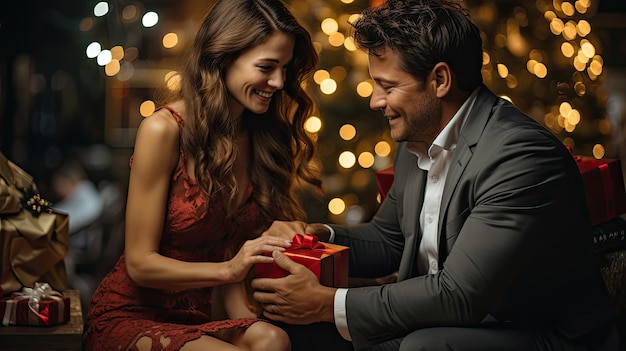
(331, 238)
(341, 320)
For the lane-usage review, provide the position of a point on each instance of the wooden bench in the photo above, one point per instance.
(62, 337)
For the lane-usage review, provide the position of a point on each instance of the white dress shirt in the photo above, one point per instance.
(436, 161)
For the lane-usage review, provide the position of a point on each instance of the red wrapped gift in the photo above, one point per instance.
(604, 187)
(38, 306)
(329, 262)
(603, 179)
(384, 179)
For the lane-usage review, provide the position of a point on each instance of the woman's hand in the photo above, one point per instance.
(285, 230)
(251, 253)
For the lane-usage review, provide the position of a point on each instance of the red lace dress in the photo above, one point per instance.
(121, 312)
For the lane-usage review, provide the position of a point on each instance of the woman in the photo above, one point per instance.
(210, 172)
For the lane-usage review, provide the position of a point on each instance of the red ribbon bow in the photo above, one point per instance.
(305, 241)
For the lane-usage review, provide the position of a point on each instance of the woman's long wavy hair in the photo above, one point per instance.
(282, 152)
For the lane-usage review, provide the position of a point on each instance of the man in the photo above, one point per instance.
(486, 223)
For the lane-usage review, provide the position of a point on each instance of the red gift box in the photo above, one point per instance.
(329, 262)
(39, 306)
(604, 187)
(384, 179)
(603, 179)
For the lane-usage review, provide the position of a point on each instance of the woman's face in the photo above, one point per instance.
(254, 77)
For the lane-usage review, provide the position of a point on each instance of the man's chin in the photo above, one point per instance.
(397, 136)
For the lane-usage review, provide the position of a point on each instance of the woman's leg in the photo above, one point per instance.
(260, 336)
(204, 343)
(263, 336)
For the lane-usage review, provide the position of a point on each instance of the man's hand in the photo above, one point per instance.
(298, 298)
(318, 229)
(286, 230)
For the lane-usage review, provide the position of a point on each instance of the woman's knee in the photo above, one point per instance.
(263, 336)
(144, 343)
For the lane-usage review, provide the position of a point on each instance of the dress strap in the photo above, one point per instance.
(175, 114)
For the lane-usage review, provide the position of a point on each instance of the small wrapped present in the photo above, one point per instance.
(38, 306)
(604, 187)
(329, 262)
(384, 179)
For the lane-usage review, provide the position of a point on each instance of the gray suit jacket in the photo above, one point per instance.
(514, 238)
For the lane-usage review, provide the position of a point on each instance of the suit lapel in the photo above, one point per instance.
(412, 203)
(468, 138)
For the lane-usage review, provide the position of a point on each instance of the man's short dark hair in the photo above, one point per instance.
(424, 33)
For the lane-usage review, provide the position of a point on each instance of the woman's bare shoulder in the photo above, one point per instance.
(160, 127)
(160, 124)
(157, 140)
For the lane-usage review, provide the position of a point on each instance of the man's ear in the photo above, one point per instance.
(442, 79)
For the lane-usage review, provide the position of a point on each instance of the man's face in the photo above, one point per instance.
(410, 105)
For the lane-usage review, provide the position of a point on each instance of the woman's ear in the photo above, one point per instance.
(442, 79)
